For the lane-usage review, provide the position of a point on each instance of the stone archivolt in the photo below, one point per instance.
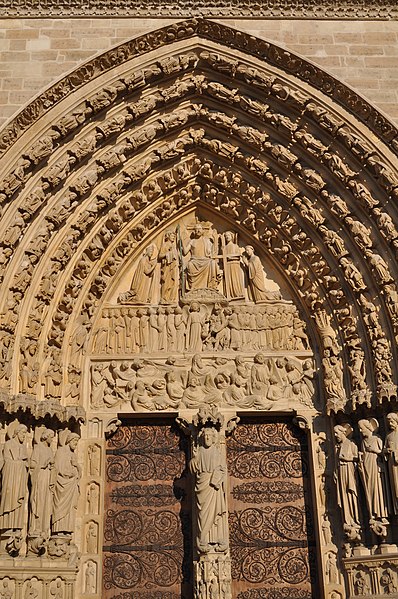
(249, 148)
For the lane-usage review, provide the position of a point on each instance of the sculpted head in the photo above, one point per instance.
(20, 432)
(368, 427)
(259, 358)
(342, 431)
(392, 421)
(72, 440)
(228, 236)
(249, 250)
(170, 236)
(198, 230)
(47, 435)
(209, 436)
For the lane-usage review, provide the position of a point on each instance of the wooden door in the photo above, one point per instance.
(147, 528)
(271, 532)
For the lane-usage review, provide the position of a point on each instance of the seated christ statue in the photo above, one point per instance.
(201, 269)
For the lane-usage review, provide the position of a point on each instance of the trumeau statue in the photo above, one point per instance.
(209, 471)
(66, 476)
(14, 481)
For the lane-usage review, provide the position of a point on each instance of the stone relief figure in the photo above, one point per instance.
(388, 581)
(371, 468)
(66, 476)
(201, 269)
(90, 579)
(361, 585)
(14, 487)
(169, 274)
(93, 498)
(6, 592)
(346, 479)
(391, 454)
(194, 326)
(258, 289)
(94, 459)
(31, 591)
(209, 471)
(57, 592)
(92, 537)
(41, 464)
(142, 285)
(233, 274)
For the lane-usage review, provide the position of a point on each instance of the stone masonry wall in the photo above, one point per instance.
(36, 52)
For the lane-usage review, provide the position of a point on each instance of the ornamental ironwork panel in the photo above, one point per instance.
(271, 530)
(147, 527)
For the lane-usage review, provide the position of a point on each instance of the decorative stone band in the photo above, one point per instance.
(11, 404)
(274, 55)
(334, 9)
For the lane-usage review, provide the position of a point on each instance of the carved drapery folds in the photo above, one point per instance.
(200, 231)
(253, 192)
(37, 501)
(208, 467)
(366, 495)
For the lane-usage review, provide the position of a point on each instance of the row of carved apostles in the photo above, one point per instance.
(260, 383)
(381, 353)
(45, 482)
(370, 471)
(32, 588)
(197, 327)
(59, 320)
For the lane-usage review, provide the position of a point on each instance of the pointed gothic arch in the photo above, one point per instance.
(297, 163)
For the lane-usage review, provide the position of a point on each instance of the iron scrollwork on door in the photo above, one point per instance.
(270, 521)
(146, 536)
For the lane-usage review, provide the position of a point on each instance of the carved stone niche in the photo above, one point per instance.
(373, 576)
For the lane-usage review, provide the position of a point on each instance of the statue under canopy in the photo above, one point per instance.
(210, 475)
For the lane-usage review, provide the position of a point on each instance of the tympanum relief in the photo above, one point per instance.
(202, 323)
